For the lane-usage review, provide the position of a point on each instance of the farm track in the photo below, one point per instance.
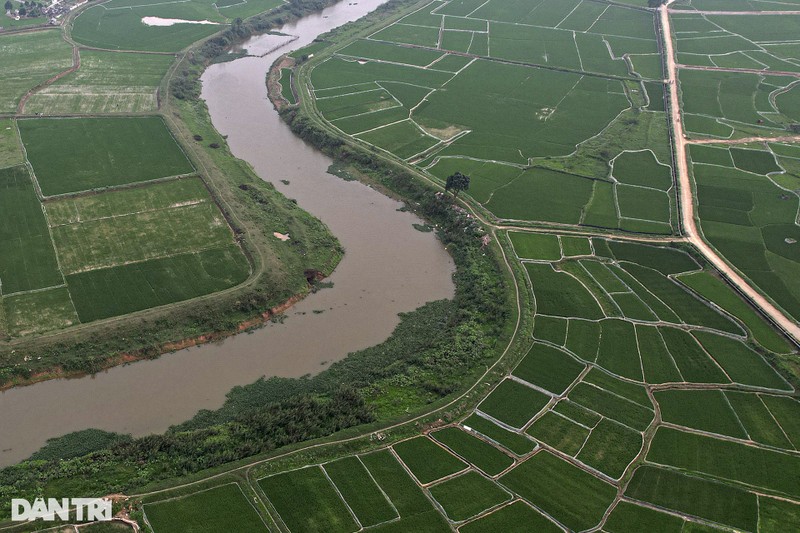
(686, 195)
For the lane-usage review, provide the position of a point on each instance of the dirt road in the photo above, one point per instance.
(686, 194)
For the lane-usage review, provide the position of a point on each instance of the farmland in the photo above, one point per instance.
(106, 82)
(751, 218)
(28, 60)
(430, 90)
(641, 388)
(571, 439)
(58, 148)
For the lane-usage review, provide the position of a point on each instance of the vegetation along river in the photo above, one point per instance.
(389, 267)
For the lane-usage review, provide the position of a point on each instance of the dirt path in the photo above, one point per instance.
(686, 196)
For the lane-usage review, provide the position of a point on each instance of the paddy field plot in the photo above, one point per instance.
(476, 451)
(716, 103)
(517, 517)
(360, 491)
(736, 41)
(769, 470)
(306, 500)
(511, 441)
(468, 495)
(28, 261)
(752, 222)
(10, 149)
(134, 225)
(513, 403)
(570, 495)
(106, 82)
(427, 460)
(121, 150)
(117, 25)
(703, 498)
(210, 510)
(27, 60)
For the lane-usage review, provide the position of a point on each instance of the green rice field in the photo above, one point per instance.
(106, 82)
(58, 148)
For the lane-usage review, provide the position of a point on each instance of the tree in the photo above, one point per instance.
(456, 183)
(22, 11)
(9, 5)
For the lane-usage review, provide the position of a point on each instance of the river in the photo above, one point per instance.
(388, 268)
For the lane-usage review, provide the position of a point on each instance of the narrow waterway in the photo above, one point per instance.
(389, 268)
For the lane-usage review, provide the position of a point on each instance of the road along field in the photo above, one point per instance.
(538, 119)
(748, 211)
(640, 401)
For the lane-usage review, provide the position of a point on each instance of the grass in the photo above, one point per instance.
(127, 288)
(106, 82)
(515, 518)
(211, 510)
(427, 460)
(559, 432)
(58, 149)
(28, 260)
(568, 494)
(477, 452)
(514, 442)
(717, 291)
(758, 467)
(10, 149)
(513, 403)
(468, 495)
(38, 312)
(610, 448)
(30, 59)
(359, 490)
(549, 368)
(536, 246)
(694, 496)
(707, 410)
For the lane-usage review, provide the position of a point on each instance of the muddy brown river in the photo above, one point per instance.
(388, 268)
